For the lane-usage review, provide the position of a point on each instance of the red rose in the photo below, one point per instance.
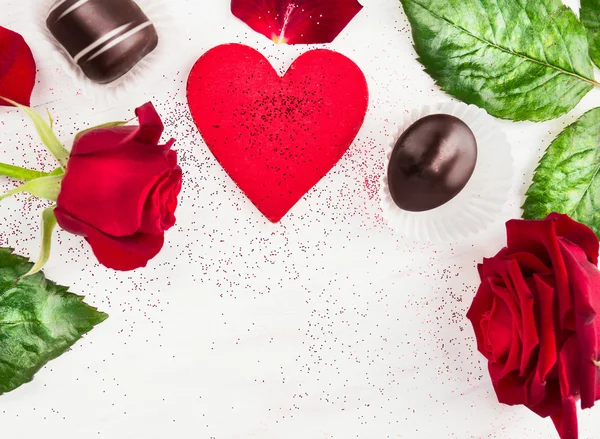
(534, 317)
(120, 191)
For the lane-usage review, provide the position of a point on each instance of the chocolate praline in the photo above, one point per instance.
(106, 38)
(431, 162)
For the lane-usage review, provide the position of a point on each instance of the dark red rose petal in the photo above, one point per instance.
(499, 335)
(297, 21)
(584, 280)
(552, 400)
(547, 354)
(530, 264)
(579, 234)
(503, 290)
(565, 421)
(17, 68)
(510, 389)
(493, 267)
(540, 238)
(526, 303)
(481, 305)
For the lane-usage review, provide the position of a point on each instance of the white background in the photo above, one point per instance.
(324, 326)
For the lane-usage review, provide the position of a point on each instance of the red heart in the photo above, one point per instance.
(276, 136)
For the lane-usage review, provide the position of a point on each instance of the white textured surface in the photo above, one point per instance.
(325, 326)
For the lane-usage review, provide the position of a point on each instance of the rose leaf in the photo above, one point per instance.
(590, 16)
(519, 60)
(39, 321)
(17, 68)
(297, 21)
(567, 179)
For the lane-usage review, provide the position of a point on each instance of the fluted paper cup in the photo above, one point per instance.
(481, 200)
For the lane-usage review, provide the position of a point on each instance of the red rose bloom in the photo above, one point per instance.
(120, 191)
(534, 317)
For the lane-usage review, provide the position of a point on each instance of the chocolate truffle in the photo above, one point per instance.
(431, 162)
(106, 38)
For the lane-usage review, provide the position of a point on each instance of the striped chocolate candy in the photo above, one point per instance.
(106, 38)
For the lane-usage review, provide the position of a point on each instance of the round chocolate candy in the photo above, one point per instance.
(106, 38)
(431, 162)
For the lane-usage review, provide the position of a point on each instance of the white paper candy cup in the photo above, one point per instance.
(147, 71)
(481, 200)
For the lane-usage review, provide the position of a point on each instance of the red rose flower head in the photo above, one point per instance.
(535, 318)
(17, 68)
(297, 21)
(120, 191)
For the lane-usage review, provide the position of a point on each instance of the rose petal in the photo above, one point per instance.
(110, 193)
(513, 327)
(551, 401)
(148, 132)
(529, 338)
(503, 289)
(531, 236)
(530, 264)
(17, 68)
(297, 21)
(565, 419)
(500, 331)
(493, 267)
(579, 234)
(482, 304)
(123, 254)
(159, 210)
(168, 219)
(513, 362)
(547, 355)
(539, 237)
(569, 367)
(585, 287)
(510, 389)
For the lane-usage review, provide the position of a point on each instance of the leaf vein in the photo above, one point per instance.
(505, 50)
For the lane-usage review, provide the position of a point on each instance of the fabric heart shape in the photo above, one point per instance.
(276, 136)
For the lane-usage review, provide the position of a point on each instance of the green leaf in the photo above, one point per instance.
(518, 59)
(567, 179)
(590, 16)
(46, 134)
(48, 225)
(104, 125)
(39, 321)
(44, 187)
